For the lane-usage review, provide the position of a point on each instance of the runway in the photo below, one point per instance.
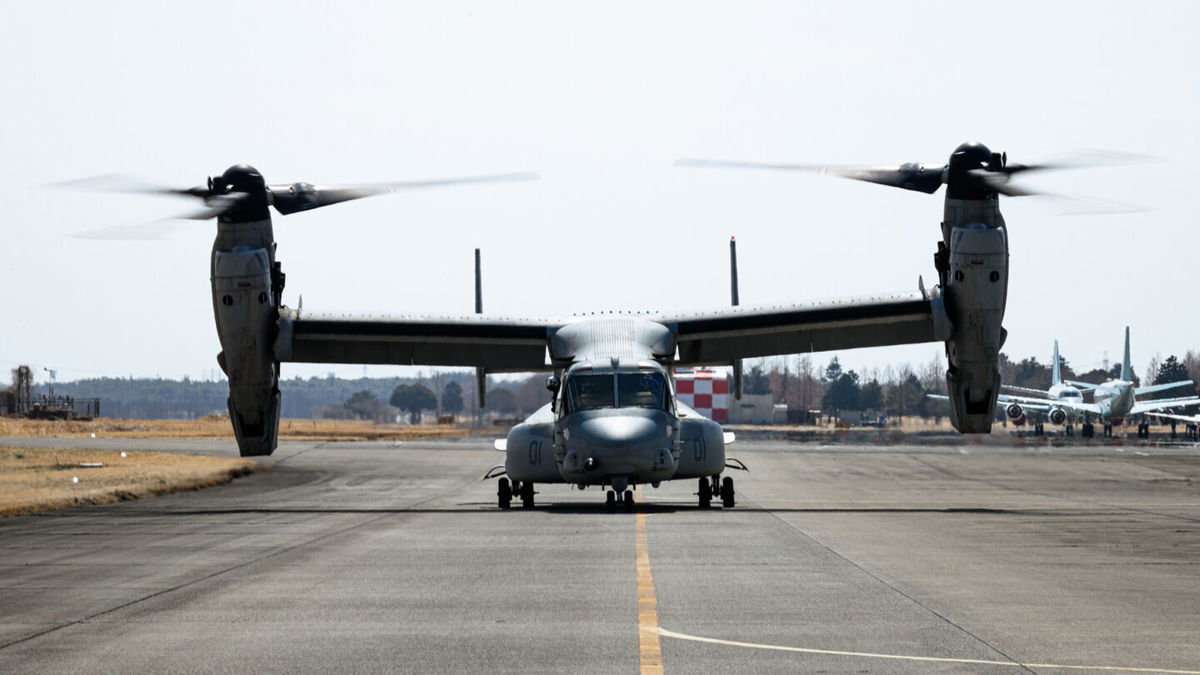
(368, 557)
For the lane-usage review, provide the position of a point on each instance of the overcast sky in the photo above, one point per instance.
(600, 99)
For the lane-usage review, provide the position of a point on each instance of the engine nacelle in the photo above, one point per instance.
(1015, 414)
(1057, 415)
(976, 288)
(246, 310)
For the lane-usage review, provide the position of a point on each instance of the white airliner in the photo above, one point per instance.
(1113, 400)
(1046, 401)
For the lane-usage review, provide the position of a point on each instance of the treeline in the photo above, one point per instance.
(800, 382)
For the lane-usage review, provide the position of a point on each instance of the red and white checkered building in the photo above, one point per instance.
(706, 391)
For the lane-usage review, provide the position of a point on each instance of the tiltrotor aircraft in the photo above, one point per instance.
(613, 419)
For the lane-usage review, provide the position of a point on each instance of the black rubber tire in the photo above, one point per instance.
(628, 500)
(504, 493)
(527, 495)
(610, 501)
(705, 494)
(727, 499)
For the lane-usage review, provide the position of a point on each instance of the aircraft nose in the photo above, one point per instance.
(620, 430)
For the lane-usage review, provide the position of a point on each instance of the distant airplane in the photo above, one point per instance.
(1113, 400)
(1045, 401)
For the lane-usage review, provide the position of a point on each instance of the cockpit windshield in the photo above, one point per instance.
(589, 391)
(641, 390)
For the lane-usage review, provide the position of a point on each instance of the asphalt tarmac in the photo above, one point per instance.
(376, 557)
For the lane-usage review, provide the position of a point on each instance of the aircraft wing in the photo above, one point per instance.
(1039, 404)
(1026, 390)
(721, 336)
(494, 343)
(1002, 400)
(1148, 406)
(1182, 418)
(1160, 387)
(1028, 402)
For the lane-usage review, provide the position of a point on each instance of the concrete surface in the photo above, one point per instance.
(369, 557)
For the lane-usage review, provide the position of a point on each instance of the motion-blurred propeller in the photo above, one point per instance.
(973, 172)
(241, 195)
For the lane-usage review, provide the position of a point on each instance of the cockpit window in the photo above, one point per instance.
(610, 390)
(588, 392)
(642, 390)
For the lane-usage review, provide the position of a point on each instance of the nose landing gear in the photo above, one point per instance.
(612, 498)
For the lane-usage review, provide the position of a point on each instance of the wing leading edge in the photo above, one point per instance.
(719, 337)
(497, 344)
(716, 337)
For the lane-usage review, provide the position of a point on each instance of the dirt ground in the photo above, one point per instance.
(42, 479)
(218, 426)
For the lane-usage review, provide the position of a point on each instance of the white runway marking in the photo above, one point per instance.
(928, 659)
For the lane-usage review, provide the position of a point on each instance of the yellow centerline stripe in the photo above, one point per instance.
(649, 644)
(903, 657)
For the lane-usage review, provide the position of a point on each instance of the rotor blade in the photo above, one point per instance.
(297, 197)
(115, 182)
(1084, 159)
(151, 231)
(1000, 182)
(156, 229)
(925, 178)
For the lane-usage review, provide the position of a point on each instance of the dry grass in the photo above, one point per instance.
(218, 426)
(40, 479)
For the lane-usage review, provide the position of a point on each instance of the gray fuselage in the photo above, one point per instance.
(614, 420)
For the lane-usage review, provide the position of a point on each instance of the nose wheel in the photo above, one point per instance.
(612, 498)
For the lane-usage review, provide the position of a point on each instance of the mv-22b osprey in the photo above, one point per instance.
(613, 419)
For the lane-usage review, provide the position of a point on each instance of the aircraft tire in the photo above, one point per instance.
(705, 493)
(727, 499)
(610, 501)
(628, 500)
(527, 495)
(504, 492)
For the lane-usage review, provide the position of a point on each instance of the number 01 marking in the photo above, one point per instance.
(535, 452)
(698, 449)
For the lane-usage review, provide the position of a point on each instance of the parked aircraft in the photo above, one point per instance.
(1113, 400)
(1044, 401)
(612, 419)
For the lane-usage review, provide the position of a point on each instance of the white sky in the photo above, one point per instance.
(600, 99)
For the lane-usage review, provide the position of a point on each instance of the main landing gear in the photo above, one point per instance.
(720, 487)
(612, 498)
(505, 492)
